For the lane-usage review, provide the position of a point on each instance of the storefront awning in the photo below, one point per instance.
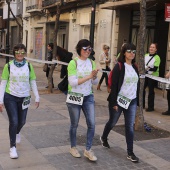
(118, 4)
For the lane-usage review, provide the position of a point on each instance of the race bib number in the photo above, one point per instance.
(26, 102)
(75, 98)
(123, 101)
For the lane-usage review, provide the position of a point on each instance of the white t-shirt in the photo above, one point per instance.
(129, 86)
(82, 69)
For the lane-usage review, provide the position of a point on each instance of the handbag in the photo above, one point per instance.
(63, 85)
(45, 67)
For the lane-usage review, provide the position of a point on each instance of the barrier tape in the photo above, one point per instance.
(160, 79)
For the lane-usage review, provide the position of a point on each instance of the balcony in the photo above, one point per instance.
(46, 3)
(114, 4)
(34, 8)
(2, 1)
(134, 4)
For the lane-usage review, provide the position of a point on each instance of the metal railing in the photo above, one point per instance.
(46, 3)
(36, 6)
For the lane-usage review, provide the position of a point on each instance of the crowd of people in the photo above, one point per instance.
(18, 77)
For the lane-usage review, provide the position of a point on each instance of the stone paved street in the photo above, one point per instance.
(45, 137)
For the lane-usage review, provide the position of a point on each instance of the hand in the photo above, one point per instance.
(1, 107)
(115, 108)
(93, 74)
(167, 75)
(37, 104)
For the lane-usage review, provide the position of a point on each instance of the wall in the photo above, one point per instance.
(78, 29)
(124, 27)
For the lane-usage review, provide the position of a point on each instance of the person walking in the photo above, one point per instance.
(18, 78)
(152, 62)
(123, 98)
(168, 96)
(82, 74)
(104, 61)
(49, 58)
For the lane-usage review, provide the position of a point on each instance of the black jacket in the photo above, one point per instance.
(117, 81)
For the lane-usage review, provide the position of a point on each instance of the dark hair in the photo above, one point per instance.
(126, 46)
(19, 47)
(50, 45)
(64, 55)
(82, 43)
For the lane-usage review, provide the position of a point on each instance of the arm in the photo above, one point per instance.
(74, 81)
(152, 69)
(102, 59)
(35, 91)
(167, 75)
(72, 74)
(114, 87)
(2, 91)
(34, 85)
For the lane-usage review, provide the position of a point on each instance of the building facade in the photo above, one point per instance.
(39, 22)
(127, 26)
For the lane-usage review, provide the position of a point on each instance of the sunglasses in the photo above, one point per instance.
(87, 48)
(20, 52)
(131, 51)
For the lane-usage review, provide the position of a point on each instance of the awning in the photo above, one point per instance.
(117, 4)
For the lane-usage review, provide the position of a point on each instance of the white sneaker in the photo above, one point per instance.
(74, 152)
(13, 153)
(90, 155)
(18, 138)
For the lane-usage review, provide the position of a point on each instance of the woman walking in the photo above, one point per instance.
(123, 97)
(104, 61)
(18, 78)
(82, 74)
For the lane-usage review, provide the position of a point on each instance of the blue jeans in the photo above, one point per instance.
(89, 112)
(129, 115)
(16, 116)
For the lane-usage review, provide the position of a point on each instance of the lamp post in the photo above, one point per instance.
(7, 36)
(92, 27)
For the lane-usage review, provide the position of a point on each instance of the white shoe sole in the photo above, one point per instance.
(13, 157)
(90, 158)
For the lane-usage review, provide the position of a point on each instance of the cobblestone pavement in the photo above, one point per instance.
(45, 140)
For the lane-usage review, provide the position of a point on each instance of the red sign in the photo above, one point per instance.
(167, 12)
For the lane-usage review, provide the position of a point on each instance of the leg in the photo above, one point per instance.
(144, 91)
(106, 78)
(10, 103)
(129, 115)
(113, 118)
(151, 96)
(102, 78)
(89, 112)
(22, 114)
(168, 99)
(74, 112)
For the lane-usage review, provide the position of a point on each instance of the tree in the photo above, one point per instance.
(139, 122)
(18, 23)
(59, 5)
